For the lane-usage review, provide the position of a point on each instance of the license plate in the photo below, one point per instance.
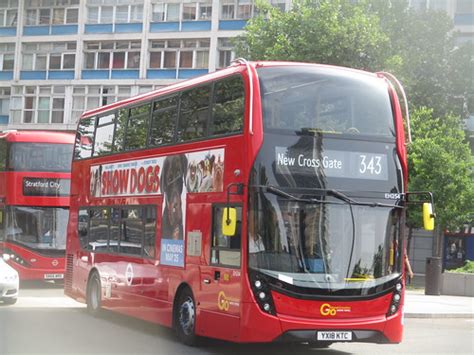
(335, 336)
(53, 276)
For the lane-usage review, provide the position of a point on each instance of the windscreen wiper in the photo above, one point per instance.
(330, 192)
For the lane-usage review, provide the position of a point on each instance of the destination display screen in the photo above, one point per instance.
(331, 163)
(46, 187)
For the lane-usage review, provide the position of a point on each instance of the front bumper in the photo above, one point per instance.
(9, 289)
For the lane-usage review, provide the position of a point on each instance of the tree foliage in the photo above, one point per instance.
(440, 161)
(328, 32)
(422, 53)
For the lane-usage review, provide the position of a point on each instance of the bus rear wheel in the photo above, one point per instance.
(94, 294)
(185, 318)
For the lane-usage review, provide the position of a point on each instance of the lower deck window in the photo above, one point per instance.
(126, 230)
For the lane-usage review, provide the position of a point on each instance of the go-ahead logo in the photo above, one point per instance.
(327, 310)
(224, 302)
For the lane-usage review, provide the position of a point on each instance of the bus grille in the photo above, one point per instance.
(68, 277)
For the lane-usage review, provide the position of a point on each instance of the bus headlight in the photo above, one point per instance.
(396, 298)
(16, 258)
(262, 293)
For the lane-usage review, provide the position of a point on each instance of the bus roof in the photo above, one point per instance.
(237, 67)
(38, 136)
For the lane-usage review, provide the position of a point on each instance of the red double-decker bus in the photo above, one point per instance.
(264, 202)
(35, 172)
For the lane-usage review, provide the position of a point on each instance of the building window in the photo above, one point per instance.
(88, 97)
(236, 9)
(49, 56)
(464, 7)
(197, 11)
(114, 11)
(172, 54)
(225, 51)
(165, 12)
(112, 55)
(40, 104)
(8, 13)
(438, 5)
(5, 101)
(7, 56)
(418, 4)
(51, 12)
(279, 4)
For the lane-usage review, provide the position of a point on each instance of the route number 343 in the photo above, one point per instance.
(370, 164)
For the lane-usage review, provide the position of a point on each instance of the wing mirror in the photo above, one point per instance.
(229, 221)
(428, 216)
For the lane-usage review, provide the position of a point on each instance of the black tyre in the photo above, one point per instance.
(185, 318)
(94, 294)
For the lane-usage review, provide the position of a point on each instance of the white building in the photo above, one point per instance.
(61, 57)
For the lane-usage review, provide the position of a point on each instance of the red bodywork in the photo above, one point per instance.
(11, 194)
(152, 293)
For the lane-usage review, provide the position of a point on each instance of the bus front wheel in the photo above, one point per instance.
(94, 294)
(185, 317)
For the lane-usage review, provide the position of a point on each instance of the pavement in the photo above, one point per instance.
(419, 305)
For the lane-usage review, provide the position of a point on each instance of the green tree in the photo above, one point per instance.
(440, 161)
(333, 32)
(421, 52)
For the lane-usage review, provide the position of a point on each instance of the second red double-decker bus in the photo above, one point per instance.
(264, 202)
(35, 171)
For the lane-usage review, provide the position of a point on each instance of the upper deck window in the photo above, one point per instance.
(84, 138)
(3, 154)
(104, 134)
(40, 157)
(307, 100)
(203, 112)
(194, 114)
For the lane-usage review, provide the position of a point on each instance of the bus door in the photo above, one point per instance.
(221, 279)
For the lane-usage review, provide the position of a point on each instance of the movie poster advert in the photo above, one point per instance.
(172, 176)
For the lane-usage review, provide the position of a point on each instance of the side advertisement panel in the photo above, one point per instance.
(173, 177)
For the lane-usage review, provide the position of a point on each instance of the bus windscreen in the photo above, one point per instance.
(311, 100)
(40, 157)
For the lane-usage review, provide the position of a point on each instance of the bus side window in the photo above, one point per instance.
(3, 154)
(83, 227)
(163, 124)
(228, 106)
(225, 250)
(132, 229)
(120, 127)
(104, 135)
(84, 138)
(99, 229)
(137, 127)
(150, 231)
(194, 114)
(114, 229)
(2, 225)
